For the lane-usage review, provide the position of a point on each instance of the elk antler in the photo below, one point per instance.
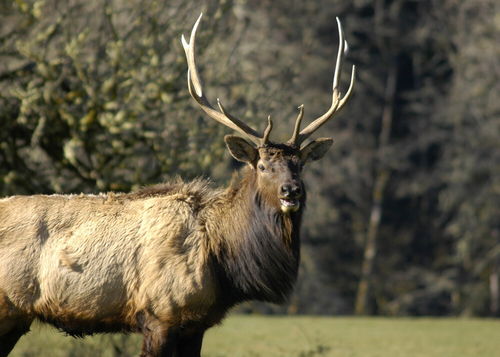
(337, 102)
(194, 85)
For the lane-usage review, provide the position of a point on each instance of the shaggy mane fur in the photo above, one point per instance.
(259, 257)
(199, 188)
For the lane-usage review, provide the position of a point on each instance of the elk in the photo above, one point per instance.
(170, 260)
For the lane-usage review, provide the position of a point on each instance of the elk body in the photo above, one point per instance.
(167, 261)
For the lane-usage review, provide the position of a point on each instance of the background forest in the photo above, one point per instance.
(403, 215)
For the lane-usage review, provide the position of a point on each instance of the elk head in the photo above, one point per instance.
(276, 165)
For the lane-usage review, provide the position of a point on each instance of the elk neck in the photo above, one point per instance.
(257, 247)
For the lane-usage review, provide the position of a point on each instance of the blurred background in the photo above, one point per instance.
(403, 214)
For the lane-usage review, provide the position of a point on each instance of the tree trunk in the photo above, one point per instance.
(495, 289)
(380, 182)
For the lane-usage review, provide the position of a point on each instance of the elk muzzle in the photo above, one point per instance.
(289, 195)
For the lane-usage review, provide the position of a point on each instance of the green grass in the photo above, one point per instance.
(251, 336)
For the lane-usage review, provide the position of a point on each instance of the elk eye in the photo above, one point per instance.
(261, 167)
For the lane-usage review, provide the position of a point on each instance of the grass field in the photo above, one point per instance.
(252, 336)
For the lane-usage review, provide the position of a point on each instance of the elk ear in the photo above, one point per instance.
(241, 149)
(316, 149)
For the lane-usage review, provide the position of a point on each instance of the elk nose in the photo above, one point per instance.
(290, 190)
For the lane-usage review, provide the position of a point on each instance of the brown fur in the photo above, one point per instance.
(167, 261)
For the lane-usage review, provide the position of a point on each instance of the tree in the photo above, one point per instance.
(471, 199)
(93, 96)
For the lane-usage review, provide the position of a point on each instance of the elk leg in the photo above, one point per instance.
(9, 339)
(159, 340)
(189, 345)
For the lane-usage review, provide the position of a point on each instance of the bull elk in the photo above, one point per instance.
(166, 261)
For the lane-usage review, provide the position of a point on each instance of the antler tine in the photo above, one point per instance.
(269, 127)
(296, 130)
(195, 89)
(337, 101)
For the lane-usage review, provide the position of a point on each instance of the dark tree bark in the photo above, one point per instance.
(380, 182)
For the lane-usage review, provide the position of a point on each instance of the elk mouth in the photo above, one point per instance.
(289, 205)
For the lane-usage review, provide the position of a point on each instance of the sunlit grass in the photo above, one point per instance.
(251, 336)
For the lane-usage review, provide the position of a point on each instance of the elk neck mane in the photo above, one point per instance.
(255, 247)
